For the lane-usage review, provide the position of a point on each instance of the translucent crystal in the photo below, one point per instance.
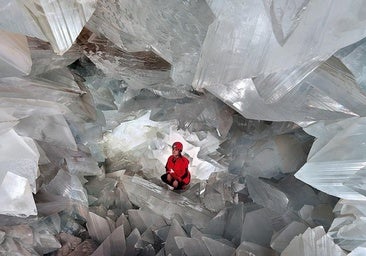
(352, 56)
(60, 21)
(19, 157)
(217, 248)
(266, 195)
(50, 129)
(45, 59)
(16, 199)
(318, 97)
(131, 240)
(275, 86)
(156, 26)
(253, 30)
(15, 246)
(46, 243)
(313, 242)
(280, 240)
(359, 251)
(98, 227)
(69, 186)
(25, 25)
(347, 228)
(15, 57)
(191, 246)
(114, 244)
(248, 248)
(171, 244)
(257, 227)
(143, 219)
(285, 17)
(42, 91)
(334, 164)
(163, 202)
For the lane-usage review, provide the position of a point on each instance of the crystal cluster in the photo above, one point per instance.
(268, 98)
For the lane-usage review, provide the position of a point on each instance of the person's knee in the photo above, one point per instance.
(175, 184)
(169, 178)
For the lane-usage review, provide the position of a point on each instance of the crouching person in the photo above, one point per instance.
(177, 174)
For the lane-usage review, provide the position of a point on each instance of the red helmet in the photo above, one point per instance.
(177, 145)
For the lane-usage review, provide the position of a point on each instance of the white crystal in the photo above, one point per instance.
(335, 163)
(16, 196)
(19, 156)
(313, 242)
(15, 59)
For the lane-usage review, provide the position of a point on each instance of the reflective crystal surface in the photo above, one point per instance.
(267, 97)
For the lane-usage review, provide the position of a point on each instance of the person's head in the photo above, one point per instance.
(177, 148)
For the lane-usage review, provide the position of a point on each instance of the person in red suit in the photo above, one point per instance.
(177, 174)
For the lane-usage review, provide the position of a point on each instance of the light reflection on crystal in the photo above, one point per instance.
(90, 103)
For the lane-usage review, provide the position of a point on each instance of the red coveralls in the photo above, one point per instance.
(180, 169)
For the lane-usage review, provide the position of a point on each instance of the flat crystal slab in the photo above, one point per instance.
(164, 202)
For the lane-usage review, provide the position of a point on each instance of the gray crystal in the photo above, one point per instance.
(164, 202)
(191, 246)
(114, 244)
(280, 240)
(15, 57)
(142, 220)
(257, 228)
(217, 248)
(266, 195)
(171, 246)
(92, 110)
(248, 249)
(69, 186)
(98, 227)
(131, 241)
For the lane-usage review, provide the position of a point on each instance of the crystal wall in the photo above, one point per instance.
(268, 98)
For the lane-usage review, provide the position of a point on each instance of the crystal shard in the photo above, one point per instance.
(347, 228)
(131, 241)
(16, 199)
(19, 158)
(332, 167)
(171, 246)
(113, 245)
(69, 186)
(191, 246)
(280, 240)
(45, 59)
(359, 251)
(61, 21)
(266, 195)
(98, 227)
(231, 37)
(25, 23)
(143, 220)
(257, 227)
(313, 242)
(285, 16)
(15, 57)
(50, 129)
(163, 202)
(248, 249)
(217, 248)
(157, 26)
